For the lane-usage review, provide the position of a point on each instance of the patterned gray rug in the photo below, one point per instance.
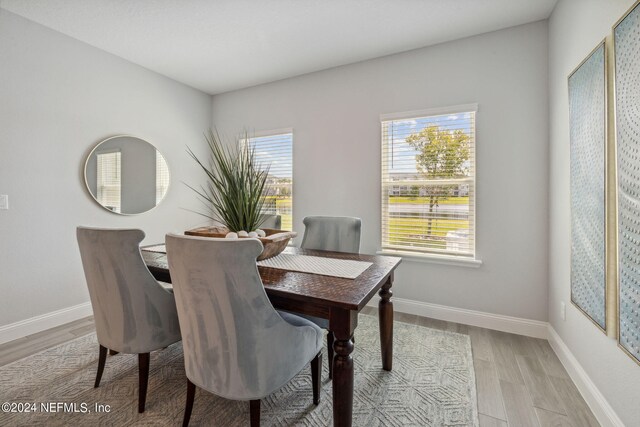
(432, 384)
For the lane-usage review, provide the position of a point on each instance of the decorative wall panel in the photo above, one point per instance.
(588, 133)
(627, 91)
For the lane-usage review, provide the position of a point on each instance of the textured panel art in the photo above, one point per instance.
(627, 64)
(587, 99)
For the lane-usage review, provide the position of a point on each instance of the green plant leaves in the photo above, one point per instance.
(235, 185)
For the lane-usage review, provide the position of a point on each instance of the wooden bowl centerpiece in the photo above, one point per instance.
(274, 242)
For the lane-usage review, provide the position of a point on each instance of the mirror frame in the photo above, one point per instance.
(93, 150)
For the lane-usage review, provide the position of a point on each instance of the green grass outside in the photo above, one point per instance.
(410, 231)
(439, 227)
(284, 205)
(414, 226)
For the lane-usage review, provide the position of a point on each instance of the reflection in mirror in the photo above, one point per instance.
(126, 175)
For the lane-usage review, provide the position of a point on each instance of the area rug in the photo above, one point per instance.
(432, 384)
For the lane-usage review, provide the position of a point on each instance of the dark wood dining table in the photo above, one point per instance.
(337, 299)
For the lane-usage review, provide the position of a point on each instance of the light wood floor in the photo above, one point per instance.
(520, 381)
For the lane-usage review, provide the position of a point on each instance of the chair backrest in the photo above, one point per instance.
(332, 233)
(272, 221)
(235, 343)
(132, 312)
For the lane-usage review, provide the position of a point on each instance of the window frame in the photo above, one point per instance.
(168, 175)
(247, 137)
(100, 198)
(422, 254)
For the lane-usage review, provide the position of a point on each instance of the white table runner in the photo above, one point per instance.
(334, 267)
(157, 248)
(344, 268)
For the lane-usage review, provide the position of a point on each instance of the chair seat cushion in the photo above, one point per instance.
(323, 323)
(299, 320)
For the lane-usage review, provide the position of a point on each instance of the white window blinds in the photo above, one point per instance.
(162, 177)
(428, 182)
(109, 180)
(276, 152)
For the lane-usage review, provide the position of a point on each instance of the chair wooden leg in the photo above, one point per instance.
(254, 409)
(330, 353)
(102, 358)
(191, 394)
(112, 352)
(316, 377)
(143, 379)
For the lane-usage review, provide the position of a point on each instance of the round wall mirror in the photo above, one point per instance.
(126, 175)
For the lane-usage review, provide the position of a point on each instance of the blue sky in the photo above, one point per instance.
(401, 155)
(275, 150)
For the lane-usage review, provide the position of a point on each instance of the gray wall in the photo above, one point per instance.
(575, 28)
(60, 97)
(335, 119)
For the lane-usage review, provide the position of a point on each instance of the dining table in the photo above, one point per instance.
(337, 299)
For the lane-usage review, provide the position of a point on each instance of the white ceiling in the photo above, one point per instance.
(222, 45)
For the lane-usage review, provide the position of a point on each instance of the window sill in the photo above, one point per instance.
(434, 259)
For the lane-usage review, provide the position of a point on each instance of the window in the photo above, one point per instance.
(276, 150)
(109, 180)
(162, 177)
(428, 182)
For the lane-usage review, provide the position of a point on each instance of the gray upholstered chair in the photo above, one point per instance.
(272, 221)
(132, 312)
(335, 234)
(236, 345)
(332, 233)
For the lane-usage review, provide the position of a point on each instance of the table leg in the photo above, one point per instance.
(342, 381)
(385, 317)
(342, 323)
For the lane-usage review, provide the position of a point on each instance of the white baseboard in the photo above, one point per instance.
(499, 322)
(603, 412)
(43, 322)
